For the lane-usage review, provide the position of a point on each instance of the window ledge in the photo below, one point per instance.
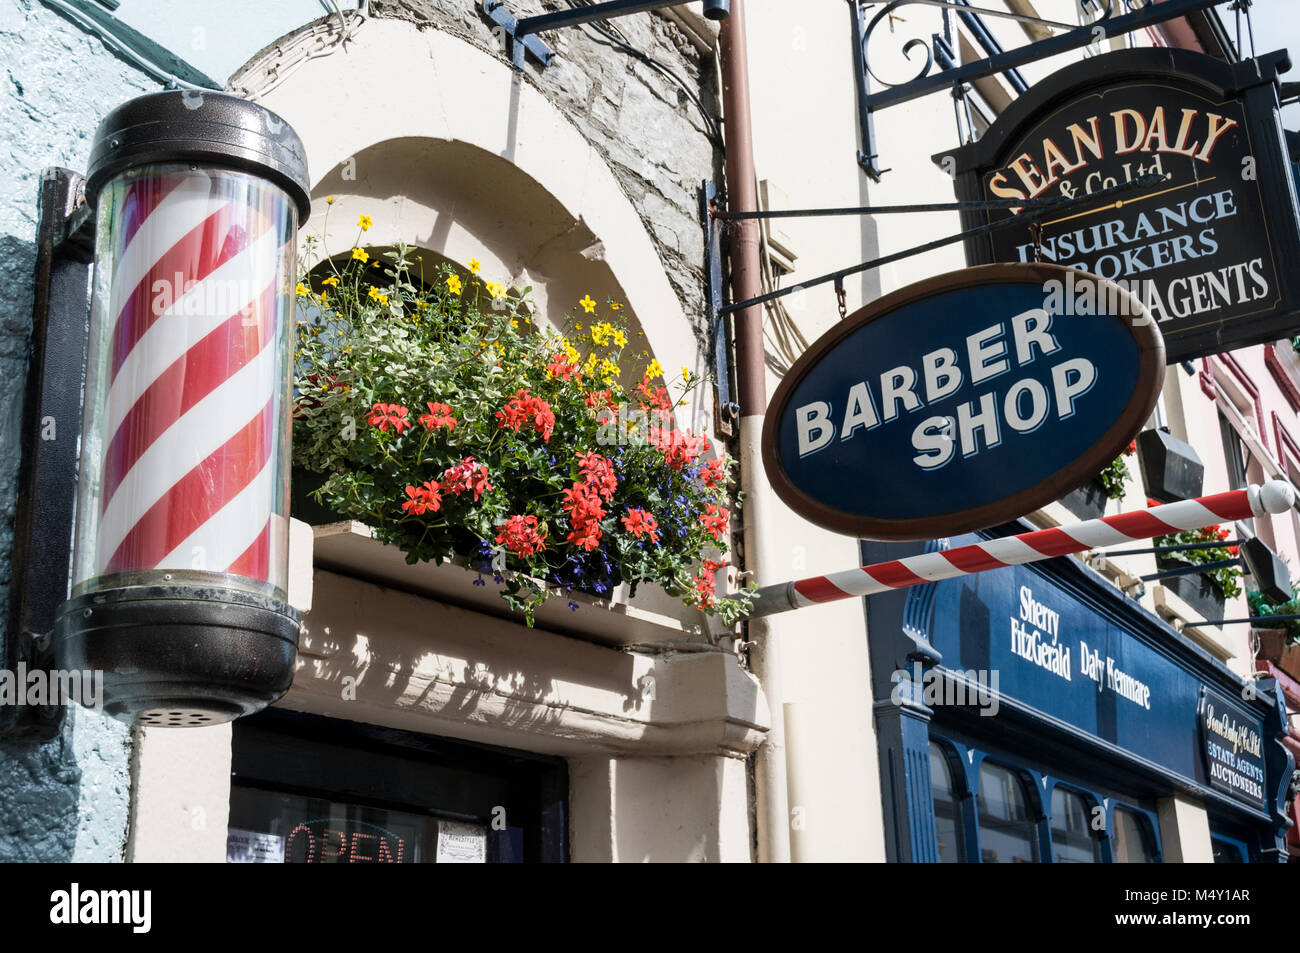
(1178, 613)
(653, 619)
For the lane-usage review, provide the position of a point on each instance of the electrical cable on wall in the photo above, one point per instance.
(710, 123)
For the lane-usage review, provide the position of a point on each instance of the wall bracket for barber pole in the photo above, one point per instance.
(523, 31)
(47, 470)
(1277, 496)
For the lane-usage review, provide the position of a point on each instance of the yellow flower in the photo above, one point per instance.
(514, 324)
(496, 290)
(421, 305)
(332, 281)
(686, 373)
(324, 295)
(329, 200)
(571, 352)
(365, 221)
(453, 284)
(474, 266)
(654, 369)
(377, 295)
(301, 290)
(616, 306)
(608, 371)
(360, 255)
(620, 339)
(588, 305)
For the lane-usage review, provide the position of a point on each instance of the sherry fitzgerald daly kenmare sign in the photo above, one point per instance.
(963, 401)
(1210, 246)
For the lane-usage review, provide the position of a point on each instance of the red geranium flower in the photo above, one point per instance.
(598, 474)
(524, 409)
(424, 498)
(714, 472)
(560, 366)
(467, 476)
(715, 520)
(384, 415)
(640, 523)
(519, 535)
(439, 415)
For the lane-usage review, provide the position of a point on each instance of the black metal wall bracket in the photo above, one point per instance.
(725, 411)
(523, 32)
(51, 435)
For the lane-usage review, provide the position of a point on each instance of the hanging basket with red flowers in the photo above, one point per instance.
(442, 416)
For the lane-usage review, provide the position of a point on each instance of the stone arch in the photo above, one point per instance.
(448, 148)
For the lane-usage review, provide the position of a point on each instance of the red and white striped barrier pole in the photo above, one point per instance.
(1277, 496)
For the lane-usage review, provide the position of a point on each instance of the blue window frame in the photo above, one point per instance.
(991, 809)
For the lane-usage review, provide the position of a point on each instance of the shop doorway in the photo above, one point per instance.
(307, 789)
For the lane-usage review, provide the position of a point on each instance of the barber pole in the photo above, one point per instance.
(180, 570)
(1277, 496)
(195, 406)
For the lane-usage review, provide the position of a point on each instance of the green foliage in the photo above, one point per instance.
(521, 464)
(1113, 478)
(1226, 579)
(1262, 606)
(1116, 474)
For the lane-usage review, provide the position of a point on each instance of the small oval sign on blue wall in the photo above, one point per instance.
(963, 401)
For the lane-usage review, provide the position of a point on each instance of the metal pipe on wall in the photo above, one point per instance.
(772, 807)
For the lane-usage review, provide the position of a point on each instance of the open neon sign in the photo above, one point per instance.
(315, 842)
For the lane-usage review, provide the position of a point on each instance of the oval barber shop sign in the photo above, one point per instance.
(963, 401)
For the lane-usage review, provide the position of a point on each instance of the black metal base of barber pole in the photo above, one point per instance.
(180, 656)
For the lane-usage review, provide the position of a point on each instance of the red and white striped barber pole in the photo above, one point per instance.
(1277, 496)
(198, 294)
(180, 567)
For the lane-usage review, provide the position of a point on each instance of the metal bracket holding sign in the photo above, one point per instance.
(1209, 242)
(51, 429)
(523, 31)
(725, 410)
(1109, 23)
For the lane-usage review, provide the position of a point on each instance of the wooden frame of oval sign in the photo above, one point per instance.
(1151, 367)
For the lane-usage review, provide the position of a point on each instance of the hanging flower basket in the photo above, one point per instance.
(1206, 591)
(440, 415)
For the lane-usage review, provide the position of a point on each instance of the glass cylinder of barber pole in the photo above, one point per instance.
(180, 563)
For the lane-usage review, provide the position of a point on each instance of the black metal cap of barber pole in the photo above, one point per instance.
(200, 126)
(180, 656)
(717, 9)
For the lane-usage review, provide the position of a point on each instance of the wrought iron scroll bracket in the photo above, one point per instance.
(1108, 24)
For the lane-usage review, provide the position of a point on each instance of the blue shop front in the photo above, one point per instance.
(1037, 714)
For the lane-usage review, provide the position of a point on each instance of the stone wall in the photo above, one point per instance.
(66, 800)
(641, 121)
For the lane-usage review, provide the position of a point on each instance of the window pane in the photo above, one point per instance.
(1072, 840)
(1007, 832)
(947, 815)
(1131, 843)
(1227, 852)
